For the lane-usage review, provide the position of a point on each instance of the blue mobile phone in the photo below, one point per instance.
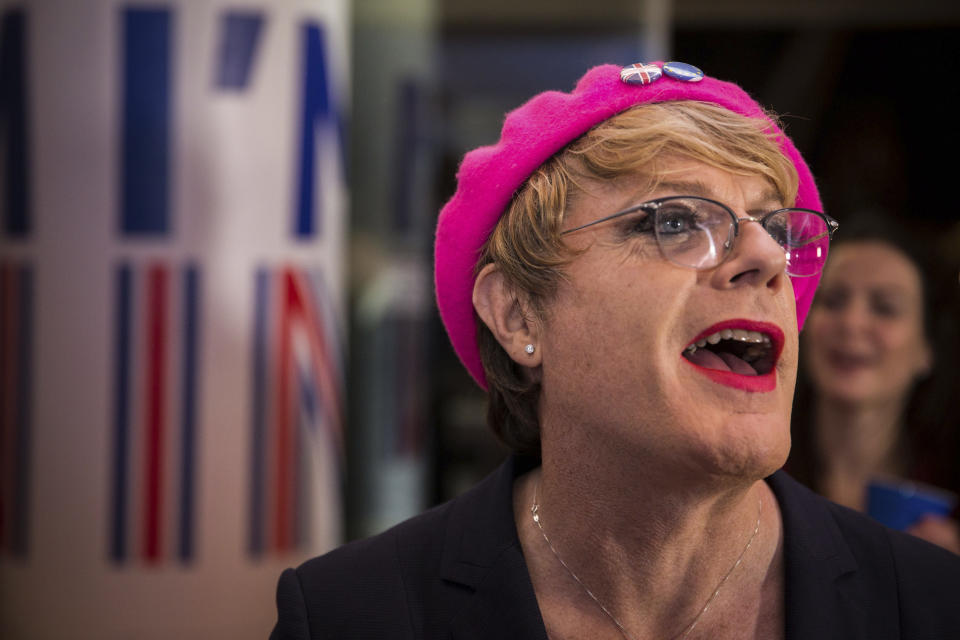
(900, 504)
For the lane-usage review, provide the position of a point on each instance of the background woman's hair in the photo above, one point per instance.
(930, 443)
(527, 247)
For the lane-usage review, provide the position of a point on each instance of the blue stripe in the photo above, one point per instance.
(331, 324)
(259, 411)
(146, 122)
(191, 328)
(316, 107)
(307, 424)
(240, 36)
(22, 448)
(121, 435)
(13, 120)
(308, 399)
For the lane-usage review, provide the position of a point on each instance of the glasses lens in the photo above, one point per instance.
(694, 233)
(804, 237)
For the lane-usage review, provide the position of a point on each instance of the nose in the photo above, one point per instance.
(755, 260)
(852, 317)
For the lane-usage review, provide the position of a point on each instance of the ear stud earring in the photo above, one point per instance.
(530, 349)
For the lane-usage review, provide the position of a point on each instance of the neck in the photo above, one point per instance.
(857, 441)
(652, 549)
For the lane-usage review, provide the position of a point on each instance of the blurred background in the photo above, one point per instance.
(219, 350)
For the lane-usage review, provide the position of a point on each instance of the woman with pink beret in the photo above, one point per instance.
(625, 272)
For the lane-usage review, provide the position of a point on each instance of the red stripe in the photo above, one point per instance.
(294, 308)
(155, 393)
(284, 467)
(8, 285)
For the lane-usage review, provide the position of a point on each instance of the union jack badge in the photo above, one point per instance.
(640, 73)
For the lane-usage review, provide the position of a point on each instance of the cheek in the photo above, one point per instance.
(615, 339)
(582, 337)
(905, 349)
(790, 358)
(817, 328)
(821, 333)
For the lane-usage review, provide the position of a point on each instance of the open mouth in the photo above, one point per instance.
(731, 351)
(848, 363)
(749, 353)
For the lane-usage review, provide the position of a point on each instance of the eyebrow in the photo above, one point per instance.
(892, 289)
(698, 188)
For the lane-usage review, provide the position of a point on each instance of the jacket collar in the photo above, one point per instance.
(482, 552)
(825, 591)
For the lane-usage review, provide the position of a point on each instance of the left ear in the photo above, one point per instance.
(506, 316)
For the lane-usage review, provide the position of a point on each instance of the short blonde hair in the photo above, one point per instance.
(526, 244)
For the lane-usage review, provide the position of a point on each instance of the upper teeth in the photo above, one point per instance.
(731, 334)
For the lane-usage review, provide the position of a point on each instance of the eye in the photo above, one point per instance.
(777, 228)
(797, 229)
(677, 218)
(833, 299)
(885, 307)
(885, 310)
(641, 222)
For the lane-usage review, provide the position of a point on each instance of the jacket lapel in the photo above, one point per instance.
(504, 605)
(482, 553)
(827, 593)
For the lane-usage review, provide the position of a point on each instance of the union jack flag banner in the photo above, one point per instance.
(172, 310)
(296, 413)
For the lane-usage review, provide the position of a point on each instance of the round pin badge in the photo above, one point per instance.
(682, 71)
(640, 73)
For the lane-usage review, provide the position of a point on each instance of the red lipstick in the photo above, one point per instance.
(757, 384)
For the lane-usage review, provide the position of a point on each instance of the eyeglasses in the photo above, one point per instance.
(699, 233)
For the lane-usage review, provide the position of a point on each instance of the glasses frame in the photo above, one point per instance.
(654, 205)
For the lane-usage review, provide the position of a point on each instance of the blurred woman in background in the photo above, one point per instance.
(869, 413)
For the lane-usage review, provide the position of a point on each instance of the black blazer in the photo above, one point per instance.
(457, 571)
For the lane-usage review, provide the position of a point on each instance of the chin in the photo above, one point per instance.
(754, 467)
(773, 461)
(761, 448)
(852, 386)
(845, 393)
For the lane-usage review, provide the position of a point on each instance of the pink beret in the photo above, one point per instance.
(490, 176)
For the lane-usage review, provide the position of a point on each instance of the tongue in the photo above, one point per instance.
(707, 359)
(722, 361)
(737, 365)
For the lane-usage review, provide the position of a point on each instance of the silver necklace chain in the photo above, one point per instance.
(535, 512)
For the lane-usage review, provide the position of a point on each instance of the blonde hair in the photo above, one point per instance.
(526, 244)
